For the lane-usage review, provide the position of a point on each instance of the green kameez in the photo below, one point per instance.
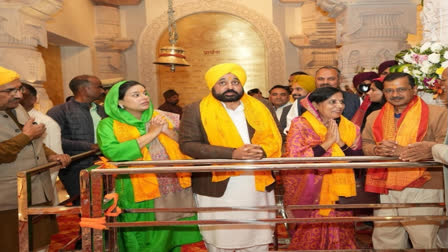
(150, 239)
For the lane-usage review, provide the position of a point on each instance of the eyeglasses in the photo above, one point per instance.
(398, 90)
(13, 91)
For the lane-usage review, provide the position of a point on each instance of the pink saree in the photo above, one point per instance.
(303, 188)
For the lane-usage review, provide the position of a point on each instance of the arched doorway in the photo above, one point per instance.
(211, 38)
(148, 42)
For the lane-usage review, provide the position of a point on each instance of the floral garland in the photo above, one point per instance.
(426, 63)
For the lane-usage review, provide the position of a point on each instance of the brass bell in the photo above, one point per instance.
(172, 56)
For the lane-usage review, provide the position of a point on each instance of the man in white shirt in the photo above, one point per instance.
(51, 137)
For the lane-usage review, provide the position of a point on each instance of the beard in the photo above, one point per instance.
(225, 97)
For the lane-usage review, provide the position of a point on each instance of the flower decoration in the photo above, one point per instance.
(422, 62)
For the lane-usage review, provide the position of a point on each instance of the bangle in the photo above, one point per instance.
(345, 148)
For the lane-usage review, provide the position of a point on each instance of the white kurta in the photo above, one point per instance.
(52, 139)
(52, 136)
(240, 192)
(293, 113)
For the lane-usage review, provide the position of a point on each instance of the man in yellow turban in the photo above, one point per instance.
(21, 149)
(301, 85)
(326, 76)
(229, 124)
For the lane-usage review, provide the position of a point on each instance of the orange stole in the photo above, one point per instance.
(146, 186)
(411, 127)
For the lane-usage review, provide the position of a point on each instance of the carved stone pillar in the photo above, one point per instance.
(369, 32)
(22, 29)
(317, 44)
(109, 43)
(435, 21)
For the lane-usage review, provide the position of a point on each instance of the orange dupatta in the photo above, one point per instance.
(340, 182)
(146, 186)
(410, 128)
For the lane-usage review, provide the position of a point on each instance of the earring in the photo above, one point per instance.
(121, 106)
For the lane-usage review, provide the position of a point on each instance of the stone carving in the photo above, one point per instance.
(119, 44)
(109, 44)
(375, 32)
(369, 32)
(317, 44)
(22, 29)
(431, 21)
(147, 46)
(333, 7)
(435, 21)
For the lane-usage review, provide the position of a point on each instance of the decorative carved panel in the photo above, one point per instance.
(435, 21)
(374, 32)
(317, 44)
(22, 29)
(109, 44)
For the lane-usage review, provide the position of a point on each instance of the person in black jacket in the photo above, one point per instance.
(327, 76)
(78, 118)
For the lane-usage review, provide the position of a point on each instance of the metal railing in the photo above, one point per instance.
(26, 210)
(96, 182)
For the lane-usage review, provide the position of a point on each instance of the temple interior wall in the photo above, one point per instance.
(293, 27)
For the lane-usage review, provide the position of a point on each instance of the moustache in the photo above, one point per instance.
(230, 91)
(396, 98)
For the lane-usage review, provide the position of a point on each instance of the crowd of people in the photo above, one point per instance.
(310, 117)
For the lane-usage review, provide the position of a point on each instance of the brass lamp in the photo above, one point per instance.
(171, 55)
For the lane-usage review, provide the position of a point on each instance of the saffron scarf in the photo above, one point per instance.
(410, 128)
(221, 130)
(126, 127)
(340, 182)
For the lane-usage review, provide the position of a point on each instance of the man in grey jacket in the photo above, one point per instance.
(21, 148)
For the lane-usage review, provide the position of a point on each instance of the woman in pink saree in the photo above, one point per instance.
(321, 131)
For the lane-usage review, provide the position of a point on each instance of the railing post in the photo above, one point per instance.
(85, 209)
(97, 212)
(24, 225)
(112, 232)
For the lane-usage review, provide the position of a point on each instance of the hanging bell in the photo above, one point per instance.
(172, 56)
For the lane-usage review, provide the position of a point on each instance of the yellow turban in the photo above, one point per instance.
(6, 76)
(216, 72)
(305, 81)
